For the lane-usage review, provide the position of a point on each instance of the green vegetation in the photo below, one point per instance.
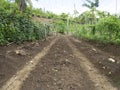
(41, 14)
(22, 4)
(18, 24)
(97, 25)
(17, 27)
(106, 29)
(109, 29)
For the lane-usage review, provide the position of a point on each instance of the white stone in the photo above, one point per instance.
(111, 60)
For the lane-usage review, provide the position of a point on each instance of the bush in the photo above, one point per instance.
(106, 30)
(110, 27)
(16, 27)
(61, 27)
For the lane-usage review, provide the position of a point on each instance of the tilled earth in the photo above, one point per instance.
(58, 70)
(13, 57)
(61, 68)
(99, 54)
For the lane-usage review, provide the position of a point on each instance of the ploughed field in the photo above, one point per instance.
(60, 63)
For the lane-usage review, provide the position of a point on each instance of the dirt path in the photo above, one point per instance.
(60, 66)
(58, 70)
(65, 68)
(15, 82)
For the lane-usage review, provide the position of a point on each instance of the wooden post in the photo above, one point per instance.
(45, 31)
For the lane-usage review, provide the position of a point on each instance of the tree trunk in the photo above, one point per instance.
(23, 5)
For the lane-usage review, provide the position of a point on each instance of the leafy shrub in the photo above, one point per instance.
(61, 27)
(106, 30)
(17, 27)
(110, 27)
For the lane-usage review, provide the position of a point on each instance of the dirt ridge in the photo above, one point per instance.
(101, 81)
(60, 66)
(15, 82)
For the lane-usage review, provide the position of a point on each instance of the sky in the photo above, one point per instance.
(68, 6)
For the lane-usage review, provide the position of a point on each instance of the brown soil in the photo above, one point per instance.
(99, 54)
(58, 70)
(11, 62)
(110, 48)
(65, 66)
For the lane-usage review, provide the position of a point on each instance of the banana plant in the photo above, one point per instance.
(92, 5)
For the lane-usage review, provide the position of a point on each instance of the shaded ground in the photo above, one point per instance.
(106, 47)
(66, 66)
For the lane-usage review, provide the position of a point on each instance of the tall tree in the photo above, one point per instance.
(22, 4)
